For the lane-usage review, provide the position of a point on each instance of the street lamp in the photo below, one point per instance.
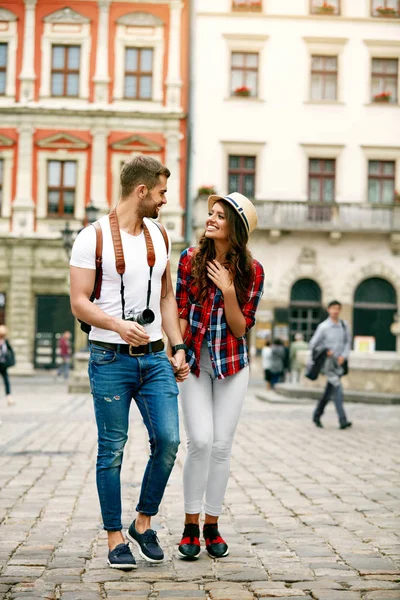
(91, 212)
(68, 235)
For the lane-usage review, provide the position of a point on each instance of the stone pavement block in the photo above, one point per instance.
(371, 585)
(112, 587)
(275, 590)
(335, 595)
(227, 591)
(382, 595)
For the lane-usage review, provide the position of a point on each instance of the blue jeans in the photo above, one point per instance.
(115, 379)
(337, 394)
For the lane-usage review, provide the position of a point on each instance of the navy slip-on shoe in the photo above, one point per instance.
(121, 558)
(147, 543)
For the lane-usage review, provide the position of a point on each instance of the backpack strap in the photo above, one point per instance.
(99, 262)
(164, 283)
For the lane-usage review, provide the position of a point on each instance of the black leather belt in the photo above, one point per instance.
(156, 346)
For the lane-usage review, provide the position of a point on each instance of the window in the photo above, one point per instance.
(324, 77)
(1, 183)
(242, 175)
(321, 180)
(255, 5)
(322, 7)
(385, 8)
(61, 186)
(384, 76)
(65, 61)
(381, 181)
(244, 74)
(3, 69)
(305, 308)
(138, 73)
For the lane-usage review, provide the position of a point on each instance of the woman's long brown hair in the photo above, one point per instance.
(238, 260)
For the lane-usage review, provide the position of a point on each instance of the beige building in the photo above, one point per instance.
(296, 105)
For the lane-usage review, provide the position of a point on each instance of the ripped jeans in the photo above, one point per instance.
(115, 379)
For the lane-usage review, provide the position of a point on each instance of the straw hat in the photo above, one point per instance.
(243, 207)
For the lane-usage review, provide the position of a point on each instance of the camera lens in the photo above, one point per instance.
(147, 316)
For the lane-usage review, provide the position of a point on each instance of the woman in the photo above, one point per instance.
(277, 361)
(218, 289)
(7, 359)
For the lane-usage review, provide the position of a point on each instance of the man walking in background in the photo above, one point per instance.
(295, 366)
(333, 335)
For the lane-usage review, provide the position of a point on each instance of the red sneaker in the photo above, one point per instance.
(189, 546)
(215, 545)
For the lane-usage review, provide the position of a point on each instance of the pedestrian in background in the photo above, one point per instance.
(219, 286)
(266, 355)
(333, 335)
(7, 360)
(296, 367)
(64, 345)
(277, 361)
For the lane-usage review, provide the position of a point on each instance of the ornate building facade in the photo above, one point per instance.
(84, 86)
(304, 118)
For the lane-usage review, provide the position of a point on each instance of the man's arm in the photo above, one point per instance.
(82, 283)
(171, 324)
(316, 338)
(347, 345)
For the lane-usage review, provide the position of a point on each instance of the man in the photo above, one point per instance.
(127, 359)
(295, 366)
(333, 334)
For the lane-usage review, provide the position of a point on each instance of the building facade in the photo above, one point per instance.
(296, 105)
(84, 86)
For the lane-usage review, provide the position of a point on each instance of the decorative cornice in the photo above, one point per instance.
(325, 40)
(391, 43)
(62, 140)
(6, 141)
(7, 15)
(136, 142)
(65, 15)
(140, 19)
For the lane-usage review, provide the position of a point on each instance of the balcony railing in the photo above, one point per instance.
(308, 216)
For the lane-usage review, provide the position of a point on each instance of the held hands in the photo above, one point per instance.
(133, 333)
(340, 360)
(179, 365)
(219, 275)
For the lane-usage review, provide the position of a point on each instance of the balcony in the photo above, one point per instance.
(337, 217)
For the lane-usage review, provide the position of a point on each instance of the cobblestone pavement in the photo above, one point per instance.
(309, 513)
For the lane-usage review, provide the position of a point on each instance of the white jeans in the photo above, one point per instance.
(211, 410)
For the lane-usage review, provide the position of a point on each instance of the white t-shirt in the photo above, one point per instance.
(136, 275)
(266, 354)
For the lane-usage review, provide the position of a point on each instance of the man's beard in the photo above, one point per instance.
(147, 210)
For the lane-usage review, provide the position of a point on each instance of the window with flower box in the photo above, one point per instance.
(384, 79)
(324, 73)
(247, 5)
(61, 187)
(242, 175)
(381, 181)
(385, 8)
(3, 68)
(325, 7)
(244, 74)
(138, 73)
(65, 63)
(1, 183)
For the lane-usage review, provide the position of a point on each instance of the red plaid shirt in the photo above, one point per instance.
(228, 354)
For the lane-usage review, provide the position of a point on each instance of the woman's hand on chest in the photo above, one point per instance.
(220, 276)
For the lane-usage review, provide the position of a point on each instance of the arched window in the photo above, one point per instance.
(305, 308)
(375, 303)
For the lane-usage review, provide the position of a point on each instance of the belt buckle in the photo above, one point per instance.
(134, 353)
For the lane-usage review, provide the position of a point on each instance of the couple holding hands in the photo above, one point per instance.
(219, 286)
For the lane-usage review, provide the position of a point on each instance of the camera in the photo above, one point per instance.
(145, 317)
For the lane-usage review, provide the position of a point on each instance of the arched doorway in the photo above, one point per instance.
(305, 308)
(375, 304)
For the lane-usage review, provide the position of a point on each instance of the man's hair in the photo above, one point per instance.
(334, 303)
(141, 170)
